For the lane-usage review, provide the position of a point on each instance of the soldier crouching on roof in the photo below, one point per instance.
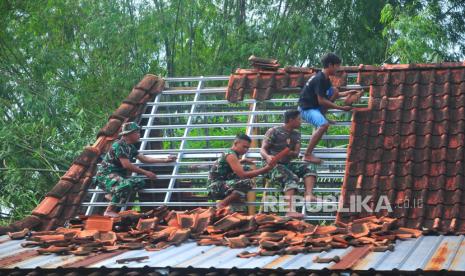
(113, 173)
(228, 179)
(287, 173)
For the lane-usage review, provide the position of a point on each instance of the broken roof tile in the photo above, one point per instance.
(275, 235)
(179, 236)
(106, 238)
(263, 219)
(185, 220)
(146, 224)
(86, 234)
(238, 242)
(229, 222)
(132, 245)
(358, 230)
(202, 221)
(325, 230)
(18, 235)
(54, 249)
(50, 238)
(414, 232)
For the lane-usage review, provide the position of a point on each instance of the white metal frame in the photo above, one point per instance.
(334, 157)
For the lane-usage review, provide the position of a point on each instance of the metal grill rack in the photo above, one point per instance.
(192, 120)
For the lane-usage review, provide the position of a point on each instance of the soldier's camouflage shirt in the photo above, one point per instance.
(111, 163)
(221, 169)
(278, 138)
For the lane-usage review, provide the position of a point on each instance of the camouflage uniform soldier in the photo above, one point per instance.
(288, 173)
(229, 180)
(223, 180)
(113, 174)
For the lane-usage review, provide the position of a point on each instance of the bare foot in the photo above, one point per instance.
(108, 197)
(295, 215)
(311, 159)
(111, 214)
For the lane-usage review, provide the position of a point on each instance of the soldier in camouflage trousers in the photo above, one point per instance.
(228, 179)
(113, 173)
(287, 173)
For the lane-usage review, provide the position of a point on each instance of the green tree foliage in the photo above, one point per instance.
(66, 65)
(424, 31)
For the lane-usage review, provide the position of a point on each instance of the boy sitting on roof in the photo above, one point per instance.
(317, 97)
(113, 172)
(288, 173)
(229, 179)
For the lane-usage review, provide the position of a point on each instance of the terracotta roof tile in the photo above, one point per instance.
(261, 83)
(179, 236)
(325, 230)
(18, 235)
(408, 145)
(358, 230)
(61, 188)
(50, 238)
(277, 236)
(106, 238)
(99, 223)
(46, 206)
(54, 249)
(229, 222)
(146, 224)
(72, 187)
(352, 257)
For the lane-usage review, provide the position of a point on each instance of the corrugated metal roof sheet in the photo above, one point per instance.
(427, 253)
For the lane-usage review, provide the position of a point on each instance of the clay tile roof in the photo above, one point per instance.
(408, 146)
(64, 200)
(261, 82)
(46, 206)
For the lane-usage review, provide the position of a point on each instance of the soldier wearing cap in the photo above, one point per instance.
(113, 174)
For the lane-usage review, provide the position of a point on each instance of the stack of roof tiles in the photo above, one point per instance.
(263, 83)
(64, 200)
(162, 228)
(408, 146)
(264, 63)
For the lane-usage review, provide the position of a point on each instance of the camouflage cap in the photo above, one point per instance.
(128, 128)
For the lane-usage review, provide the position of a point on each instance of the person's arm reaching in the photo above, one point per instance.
(237, 168)
(329, 104)
(247, 161)
(320, 90)
(347, 93)
(146, 159)
(131, 167)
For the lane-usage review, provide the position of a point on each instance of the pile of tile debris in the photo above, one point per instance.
(161, 228)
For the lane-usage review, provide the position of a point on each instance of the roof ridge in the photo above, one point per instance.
(64, 199)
